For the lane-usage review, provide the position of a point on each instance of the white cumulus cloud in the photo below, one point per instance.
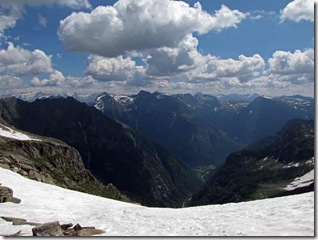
(298, 10)
(8, 82)
(244, 67)
(12, 10)
(19, 61)
(172, 61)
(131, 25)
(290, 63)
(297, 67)
(56, 78)
(113, 69)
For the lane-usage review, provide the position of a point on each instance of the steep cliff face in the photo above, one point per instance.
(51, 161)
(173, 121)
(111, 151)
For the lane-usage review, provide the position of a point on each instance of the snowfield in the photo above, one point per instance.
(10, 133)
(285, 216)
(302, 181)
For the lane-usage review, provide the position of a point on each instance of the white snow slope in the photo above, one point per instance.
(302, 181)
(285, 216)
(10, 133)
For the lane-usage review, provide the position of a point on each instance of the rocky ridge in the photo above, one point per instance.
(54, 162)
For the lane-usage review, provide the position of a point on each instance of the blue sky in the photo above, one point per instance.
(201, 53)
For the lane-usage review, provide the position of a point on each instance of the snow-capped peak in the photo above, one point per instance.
(123, 99)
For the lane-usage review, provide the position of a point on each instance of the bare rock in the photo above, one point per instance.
(77, 227)
(18, 221)
(6, 194)
(23, 173)
(66, 226)
(15, 221)
(87, 231)
(48, 229)
(5, 166)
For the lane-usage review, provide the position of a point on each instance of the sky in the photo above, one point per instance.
(124, 46)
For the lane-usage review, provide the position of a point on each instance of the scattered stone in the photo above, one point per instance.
(18, 221)
(77, 227)
(26, 167)
(54, 228)
(5, 166)
(12, 219)
(66, 226)
(16, 200)
(23, 173)
(48, 229)
(6, 194)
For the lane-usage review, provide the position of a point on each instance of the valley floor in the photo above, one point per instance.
(285, 216)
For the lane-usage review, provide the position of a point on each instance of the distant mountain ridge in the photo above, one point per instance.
(265, 168)
(208, 128)
(173, 121)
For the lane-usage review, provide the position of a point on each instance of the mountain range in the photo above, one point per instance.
(114, 153)
(158, 149)
(201, 129)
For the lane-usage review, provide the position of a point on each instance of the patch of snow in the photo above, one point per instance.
(302, 181)
(284, 216)
(311, 161)
(123, 99)
(10, 133)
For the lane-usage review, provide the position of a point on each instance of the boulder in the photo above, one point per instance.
(77, 227)
(48, 229)
(66, 226)
(6, 194)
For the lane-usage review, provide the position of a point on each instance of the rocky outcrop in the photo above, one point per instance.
(6, 195)
(53, 162)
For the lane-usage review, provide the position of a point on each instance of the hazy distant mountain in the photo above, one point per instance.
(112, 152)
(174, 121)
(30, 97)
(265, 168)
(237, 97)
(262, 117)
